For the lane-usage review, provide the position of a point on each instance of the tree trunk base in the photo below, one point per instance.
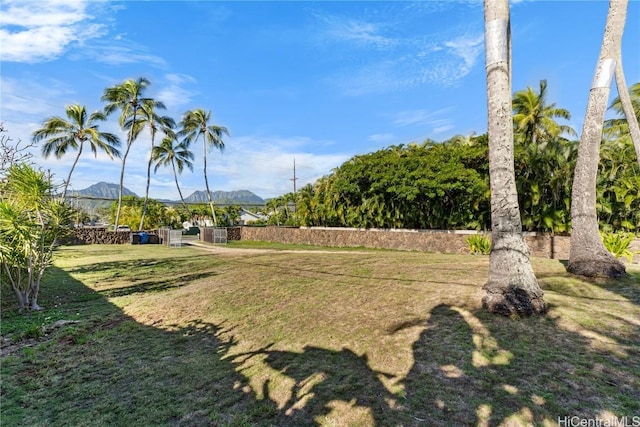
(599, 265)
(513, 301)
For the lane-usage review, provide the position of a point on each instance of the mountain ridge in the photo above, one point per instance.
(105, 190)
(226, 197)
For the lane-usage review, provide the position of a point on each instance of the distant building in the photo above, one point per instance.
(247, 217)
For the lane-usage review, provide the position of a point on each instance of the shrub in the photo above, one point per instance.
(479, 244)
(618, 244)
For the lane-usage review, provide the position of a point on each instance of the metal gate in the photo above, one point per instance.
(219, 236)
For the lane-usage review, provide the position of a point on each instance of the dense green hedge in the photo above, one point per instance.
(446, 186)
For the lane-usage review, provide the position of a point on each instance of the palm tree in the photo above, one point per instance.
(62, 135)
(126, 97)
(587, 255)
(463, 141)
(534, 119)
(512, 288)
(195, 123)
(149, 118)
(178, 155)
(625, 127)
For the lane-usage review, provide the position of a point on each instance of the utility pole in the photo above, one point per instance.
(294, 179)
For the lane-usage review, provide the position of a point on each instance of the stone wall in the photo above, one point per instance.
(635, 248)
(446, 241)
(100, 236)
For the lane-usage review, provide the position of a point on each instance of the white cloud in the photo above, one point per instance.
(42, 13)
(359, 32)
(436, 122)
(44, 30)
(264, 165)
(445, 127)
(382, 137)
(174, 94)
(421, 117)
(29, 97)
(124, 52)
(40, 31)
(413, 63)
(404, 60)
(467, 47)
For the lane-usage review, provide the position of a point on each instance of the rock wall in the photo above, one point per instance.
(445, 241)
(100, 236)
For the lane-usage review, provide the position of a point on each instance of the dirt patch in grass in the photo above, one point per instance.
(199, 337)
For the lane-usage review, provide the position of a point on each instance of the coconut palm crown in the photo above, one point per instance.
(62, 135)
(534, 119)
(126, 97)
(174, 153)
(195, 123)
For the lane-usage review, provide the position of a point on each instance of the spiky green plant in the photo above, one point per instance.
(479, 244)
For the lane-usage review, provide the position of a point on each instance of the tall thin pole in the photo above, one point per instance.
(294, 179)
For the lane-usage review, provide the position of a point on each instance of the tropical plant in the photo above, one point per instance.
(429, 185)
(195, 123)
(512, 288)
(62, 135)
(534, 118)
(618, 244)
(628, 103)
(229, 215)
(543, 180)
(618, 187)
(131, 212)
(148, 117)
(32, 220)
(619, 127)
(174, 153)
(588, 256)
(281, 210)
(479, 244)
(126, 97)
(445, 185)
(544, 161)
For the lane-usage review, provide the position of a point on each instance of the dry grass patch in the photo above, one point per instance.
(324, 338)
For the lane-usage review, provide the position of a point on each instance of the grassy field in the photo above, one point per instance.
(151, 336)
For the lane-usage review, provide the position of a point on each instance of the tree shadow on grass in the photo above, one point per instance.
(135, 264)
(105, 368)
(156, 284)
(473, 368)
(469, 368)
(325, 381)
(335, 275)
(627, 287)
(148, 275)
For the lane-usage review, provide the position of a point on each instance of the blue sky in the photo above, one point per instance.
(314, 81)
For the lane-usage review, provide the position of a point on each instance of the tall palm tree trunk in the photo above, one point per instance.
(512, 288)
(146, 192)
(206, 180)
(75, 162)
(627, 106)
(175, 176)
(124, 161)
(588, 256)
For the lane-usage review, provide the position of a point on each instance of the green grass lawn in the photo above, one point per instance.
(192, 337)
